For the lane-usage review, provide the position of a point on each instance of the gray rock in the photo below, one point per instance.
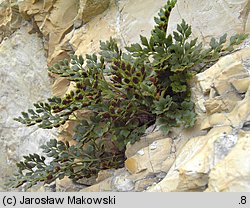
(223, 145)
(23, 81)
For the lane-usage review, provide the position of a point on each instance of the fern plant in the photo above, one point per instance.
(126, 92)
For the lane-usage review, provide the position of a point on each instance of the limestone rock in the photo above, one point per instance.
(87, 181)
(103, 186)
(66, 185)
(236, 118)
(104, 174)
(241, 85)
(212, 18)
(226, 102)
(215, 105)
(23, 81)
(132, 149)
(91, 8)
(10, 18)
(86, 39)
(123, 183)
(119, 181)
(241, 113)
(5, 12)
(41, 187)
(222, 86)
(124, 20)
(135, 18)
(216, 119)
(143, 184)
(152, 158)
(227, 69)
(55, 19)
(191, 168)
(60, 86)
(236, 178)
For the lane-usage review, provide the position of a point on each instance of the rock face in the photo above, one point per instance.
(212, 18)
(190, 169)
(225, 105)
(10, 19)
(24, 80)
(213, 161)
(237, 164)
(91, 8)
(124, 20)
(55, 19)
(155, 158)
(216, 160)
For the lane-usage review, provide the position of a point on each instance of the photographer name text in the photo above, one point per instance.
(109, 200)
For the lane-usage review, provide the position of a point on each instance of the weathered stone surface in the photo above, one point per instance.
(137, 17)
(122, 181)
(154, 159)
(40, 187)
(60, 86)
(241, 113)
(87, 38)
(215, 105)
(119, 181)
(227, 69)
(143, 142)
(212, 18)
(91, 8)
(224, 103)
(231, 99)
(103, 186)
(55, 19)
(66, 185)
(104, 174)
(241, 85)
(216, 119)
(124, 20)
(236, 118)
(10, 19)
(23, 81)
(5, 12)
(143, 184)
(226, 112)
(193, 159)
(192, 166)
(233, 173)
(222, 86)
